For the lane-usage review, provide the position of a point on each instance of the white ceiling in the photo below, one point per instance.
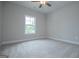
(44, 9)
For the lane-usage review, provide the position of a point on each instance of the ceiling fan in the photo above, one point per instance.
(43, 3)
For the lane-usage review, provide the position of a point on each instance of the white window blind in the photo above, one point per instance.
(30, 24)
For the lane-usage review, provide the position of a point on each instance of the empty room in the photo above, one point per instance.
(39, 29)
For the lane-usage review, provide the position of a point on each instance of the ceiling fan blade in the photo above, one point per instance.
(49, 4)
(40, 6)
(35, 1)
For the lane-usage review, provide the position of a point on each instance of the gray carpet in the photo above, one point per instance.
(41, 49)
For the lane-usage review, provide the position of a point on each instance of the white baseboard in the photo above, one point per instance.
(18, 41)
(24, 40)
(66, 41)
(11, 42)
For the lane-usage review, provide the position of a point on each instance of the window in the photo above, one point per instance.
(30, 25)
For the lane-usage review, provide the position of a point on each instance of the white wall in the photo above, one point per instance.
(63, 24)
(0, 22)
(14, 23)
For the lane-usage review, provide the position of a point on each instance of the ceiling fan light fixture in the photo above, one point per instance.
(43, 2)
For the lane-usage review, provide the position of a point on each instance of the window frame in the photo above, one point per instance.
(30, 25)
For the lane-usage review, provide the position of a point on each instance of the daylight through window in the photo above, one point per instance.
(30, 25)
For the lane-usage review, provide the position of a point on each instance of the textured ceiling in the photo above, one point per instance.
(44, 9)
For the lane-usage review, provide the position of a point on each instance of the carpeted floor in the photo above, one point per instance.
(41, 49)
